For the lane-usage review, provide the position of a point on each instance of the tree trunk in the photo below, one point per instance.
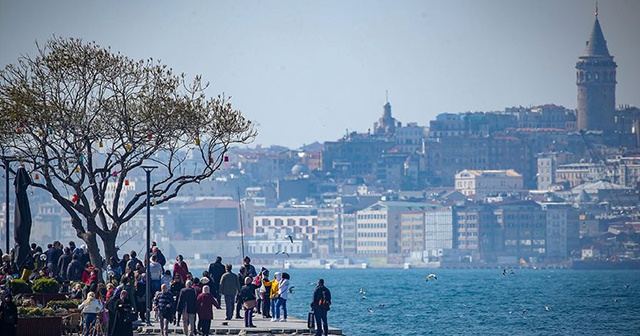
(94, 250)
(109, 241)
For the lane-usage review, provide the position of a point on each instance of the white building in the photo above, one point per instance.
(438, 230)
(481, 183)
(409, 138)
(379, 226)
(547, 165)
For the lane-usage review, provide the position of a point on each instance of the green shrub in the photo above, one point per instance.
(44, 285)
(66, 304)
(35, 312)
(19, 286)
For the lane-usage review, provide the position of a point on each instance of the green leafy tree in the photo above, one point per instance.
(84, 118)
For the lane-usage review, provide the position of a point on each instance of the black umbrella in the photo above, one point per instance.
(22, 221)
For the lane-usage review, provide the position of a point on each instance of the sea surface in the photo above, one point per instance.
(474, 301)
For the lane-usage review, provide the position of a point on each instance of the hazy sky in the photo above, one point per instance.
(306, 71)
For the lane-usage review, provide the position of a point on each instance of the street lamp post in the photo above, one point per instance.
(5, 163)
(148, 170)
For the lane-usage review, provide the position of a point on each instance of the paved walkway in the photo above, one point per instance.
(236, 326)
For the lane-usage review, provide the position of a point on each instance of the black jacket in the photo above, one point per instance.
(187, 299)
(216, 270)
(63, 263)
(321, 298)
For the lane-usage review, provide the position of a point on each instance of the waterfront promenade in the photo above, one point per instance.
(236, 326)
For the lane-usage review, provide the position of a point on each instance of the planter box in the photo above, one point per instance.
(42, 326)
(43, 298)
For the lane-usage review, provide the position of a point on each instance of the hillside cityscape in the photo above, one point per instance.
(541, 186)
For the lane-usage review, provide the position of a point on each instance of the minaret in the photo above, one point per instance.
(596, 81)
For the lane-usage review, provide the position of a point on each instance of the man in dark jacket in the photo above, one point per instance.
(229, 287)
(53, 255)
(216, 270)
(187, 306)
(133, 261)
(63, 263)
(75, 269)
(320, 305)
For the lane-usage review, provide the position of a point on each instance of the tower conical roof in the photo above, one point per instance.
(596, 46)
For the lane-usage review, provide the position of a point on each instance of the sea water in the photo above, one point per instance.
(473, 301)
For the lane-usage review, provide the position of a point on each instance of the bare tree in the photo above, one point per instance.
(83, 118)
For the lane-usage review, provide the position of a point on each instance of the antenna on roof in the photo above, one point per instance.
(596, 9)
(386, 92)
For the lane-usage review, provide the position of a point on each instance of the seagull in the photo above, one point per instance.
(627, 286)
(547, 308)
(283, 252)
(290, 237)
(370, 310)
(291, 289)
(511, 272)
(362, 291)
(504, 272)
(431, 276)
(381, 305)
(363, 298)
(524, 311)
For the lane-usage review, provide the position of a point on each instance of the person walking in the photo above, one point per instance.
(242, 274)
(123, 317)
(206, 301)
(229, 287)
(216, 270)
(283, 295)
(155, 273)
(320, 305)
(90, 309)
(165, 305)
(247, 297)
(187, 306)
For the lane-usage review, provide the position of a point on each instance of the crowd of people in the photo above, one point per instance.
(114, 295)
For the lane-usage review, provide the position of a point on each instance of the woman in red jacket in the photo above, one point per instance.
(180, 267)
(205, 304)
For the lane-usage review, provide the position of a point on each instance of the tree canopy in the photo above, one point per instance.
(81, 118)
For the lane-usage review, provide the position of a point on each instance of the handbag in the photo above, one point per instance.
(249, 304)
(311, 321)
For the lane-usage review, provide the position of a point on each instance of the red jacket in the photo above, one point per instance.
(181, 269)
(205, 304)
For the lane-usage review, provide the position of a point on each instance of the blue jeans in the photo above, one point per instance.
(155, 287)
(273, 306)
(281, 303)
(321, 321)
(88, 319)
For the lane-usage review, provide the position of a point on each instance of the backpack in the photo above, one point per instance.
(160, 258)
(324, 302)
